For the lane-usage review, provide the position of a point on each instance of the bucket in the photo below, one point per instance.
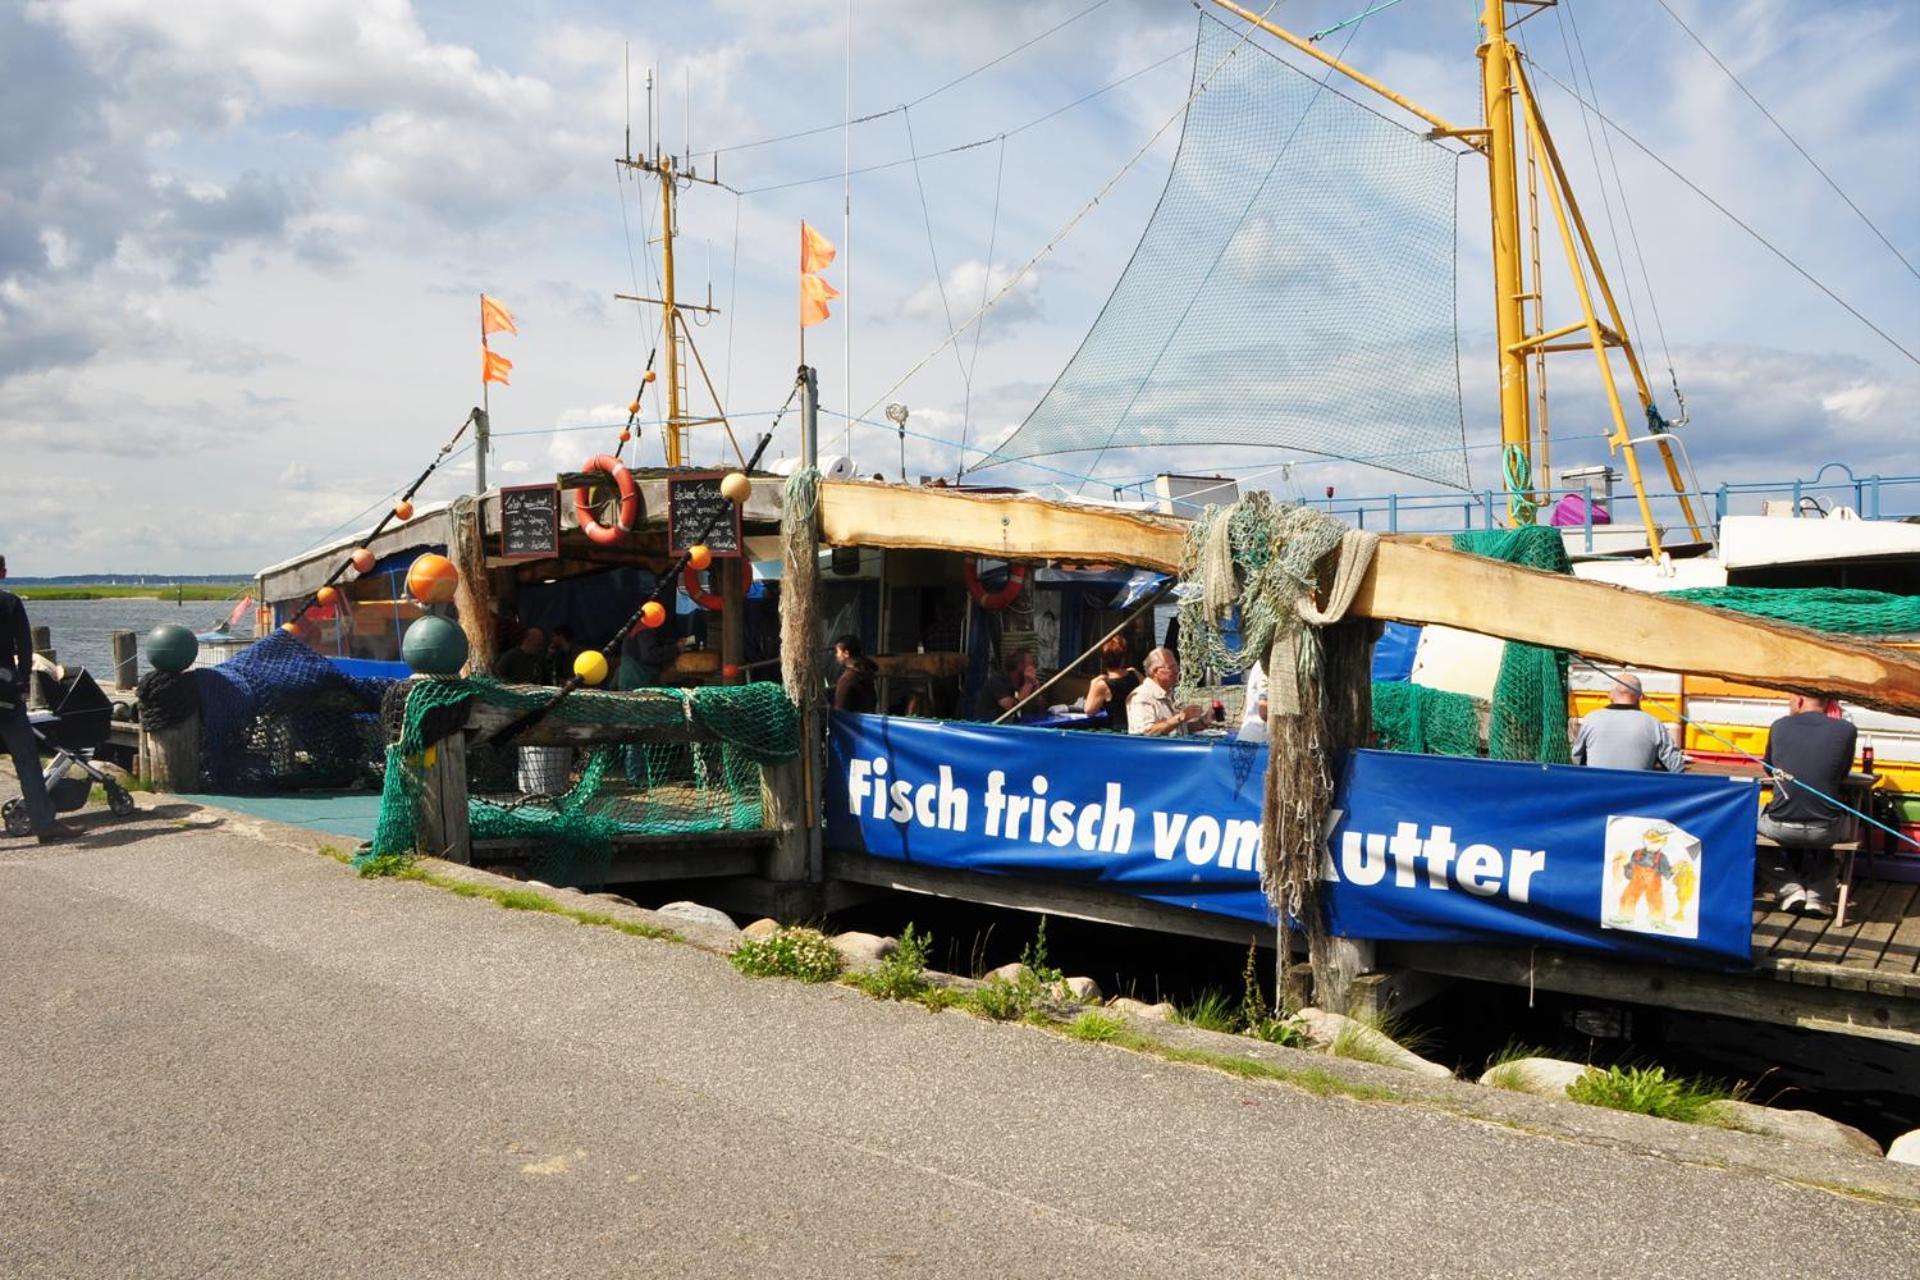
(543, 771)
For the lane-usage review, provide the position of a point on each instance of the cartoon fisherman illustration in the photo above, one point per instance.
(1645, 868)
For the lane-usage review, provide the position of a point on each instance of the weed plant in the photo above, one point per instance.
(1502, 1071)
(902, 974)
(1212, 1011)
(806, 954)
(1650, 1091)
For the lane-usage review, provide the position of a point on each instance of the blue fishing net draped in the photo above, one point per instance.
(278, 715)
(1294, 289)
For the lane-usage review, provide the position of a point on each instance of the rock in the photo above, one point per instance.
(1809, 1127)
(1085, 990)
(700, 915)
(863, 950)
(614, 898)
(1162, 1012)
(1011, 972)
(1327, 1031)
(1906, 1148)
(538, 884)
(1545, 1077)
(764, 927)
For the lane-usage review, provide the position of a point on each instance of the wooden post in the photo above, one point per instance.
(42, 648)
(473, 596)
(790, 789)
(173, 755)
(733, 619)
(440, 811)
(126, 659)
(1347, 714)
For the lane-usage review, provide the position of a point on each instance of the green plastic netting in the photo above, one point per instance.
(1413, 718)
(1841, 610)
(569, 805)
(1530, 694)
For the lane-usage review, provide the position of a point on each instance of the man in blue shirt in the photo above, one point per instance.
(16, 676)
(1811, 754)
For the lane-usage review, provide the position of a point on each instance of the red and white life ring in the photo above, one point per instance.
(995, 600)
(690, 582)
(629, 502)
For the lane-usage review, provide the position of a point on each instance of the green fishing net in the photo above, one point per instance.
(1840, 610)
(1530, 694)
(570, 805)
(1411, 717)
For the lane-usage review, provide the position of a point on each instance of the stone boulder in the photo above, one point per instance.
(863, 950)
(1324, 1030)
(616, 899)
(1085, 990)
(1010, 972)
(764, 927)
(1809, 1127)
(1162, 1012)
(1543, 1077)
(1906, 1148)
(699, 914)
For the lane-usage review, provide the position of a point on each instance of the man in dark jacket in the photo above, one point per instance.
(1813, 754)
(16, 677)
(855, 689)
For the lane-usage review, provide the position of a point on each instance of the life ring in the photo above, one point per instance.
(690, 582)
(994, 600)
(629, 502)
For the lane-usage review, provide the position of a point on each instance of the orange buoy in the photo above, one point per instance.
(625, 436)
(699, 556)
(629, 512)
(403, 510)
(432, 578)
(653, 614)
(362, 559)
(291, 628)
(327, 595)
(731, 671)
(735, 487)
(648, 376)
(633, 408)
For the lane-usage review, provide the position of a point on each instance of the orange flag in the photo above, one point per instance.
(814, 293)
(816, 251)
(494, 367)
(494, 317)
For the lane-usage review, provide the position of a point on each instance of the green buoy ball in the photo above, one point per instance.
(434, 646)
(171, 647)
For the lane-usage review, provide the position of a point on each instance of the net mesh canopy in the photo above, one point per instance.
(566, 807)
(1294, 289)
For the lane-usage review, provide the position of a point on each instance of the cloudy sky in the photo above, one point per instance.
(241, 243)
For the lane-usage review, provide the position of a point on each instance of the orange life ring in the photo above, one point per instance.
(995, 600)
(629, 502)
(690, 581)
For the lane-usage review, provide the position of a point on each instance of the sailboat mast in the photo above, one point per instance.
(675, 434)
(1509, 283)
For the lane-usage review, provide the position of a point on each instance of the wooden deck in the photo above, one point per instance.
(1877, 951)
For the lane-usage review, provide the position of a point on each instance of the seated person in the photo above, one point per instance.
(1622, 736)
(1813, 752)
(1150, 708)
(1004, 689)
(854, 690)
(526, 662)
(1108, 692)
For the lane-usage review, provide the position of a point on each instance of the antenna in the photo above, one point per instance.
(649, 108)
(686, 103)
(626, 77)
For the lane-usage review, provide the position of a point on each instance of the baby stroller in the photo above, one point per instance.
(80, 719)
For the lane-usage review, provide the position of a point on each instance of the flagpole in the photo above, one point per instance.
(486, 408)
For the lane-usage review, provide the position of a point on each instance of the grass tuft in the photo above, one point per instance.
(1501, 1073)
(1211, 1011)
(1650, 1091)
(901, 975)
(805, 954)
(1100, 1028)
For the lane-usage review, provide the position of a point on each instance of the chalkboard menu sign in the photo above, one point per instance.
(529, 522)
(698, 512)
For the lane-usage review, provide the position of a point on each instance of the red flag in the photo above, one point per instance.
(814, 293)
(494, 367)
(494, 317)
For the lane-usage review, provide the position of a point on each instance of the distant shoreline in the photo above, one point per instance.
(146, 591)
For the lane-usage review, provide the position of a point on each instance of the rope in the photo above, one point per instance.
(986, 282)
(1773, 774)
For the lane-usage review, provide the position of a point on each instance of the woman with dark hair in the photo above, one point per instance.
(1115, 683)
(854, 690)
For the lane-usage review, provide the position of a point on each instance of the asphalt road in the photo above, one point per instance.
(222, 1055)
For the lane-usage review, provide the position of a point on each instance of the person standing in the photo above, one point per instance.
(1810, 754)
(1622, 736)
(16, 676)
(855, 689)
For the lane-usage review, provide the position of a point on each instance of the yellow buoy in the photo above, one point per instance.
(736, 488)
(591, 666)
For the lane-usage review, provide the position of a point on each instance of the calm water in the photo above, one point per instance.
(81, 627)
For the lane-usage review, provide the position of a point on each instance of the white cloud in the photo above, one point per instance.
(969, 286)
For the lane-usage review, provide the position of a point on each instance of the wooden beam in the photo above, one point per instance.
(487, 718)
(1411, 580)
(1420, 584)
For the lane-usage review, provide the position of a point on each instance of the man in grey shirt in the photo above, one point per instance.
(1622, 736)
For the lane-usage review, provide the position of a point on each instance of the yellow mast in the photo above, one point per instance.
(1504, 89)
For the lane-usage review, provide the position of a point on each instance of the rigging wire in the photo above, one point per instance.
(1079, 215)
(928, 96)
(1730, 215)
(1633, 231)
(733, 294)
(986, 282)
(1793, 141)
(977, 142)
(939, 281)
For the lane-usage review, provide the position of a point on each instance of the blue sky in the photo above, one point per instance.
(240, 244)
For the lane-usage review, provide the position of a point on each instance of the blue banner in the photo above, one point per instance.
(1423, 848)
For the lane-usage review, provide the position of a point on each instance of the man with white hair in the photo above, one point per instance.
(1150, 708)
(1622, 736)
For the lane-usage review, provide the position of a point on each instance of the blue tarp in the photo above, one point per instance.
(1425, 848)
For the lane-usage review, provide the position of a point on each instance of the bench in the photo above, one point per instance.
(1846, 851)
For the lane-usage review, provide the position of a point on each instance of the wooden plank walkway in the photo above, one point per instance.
(1877, 950)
